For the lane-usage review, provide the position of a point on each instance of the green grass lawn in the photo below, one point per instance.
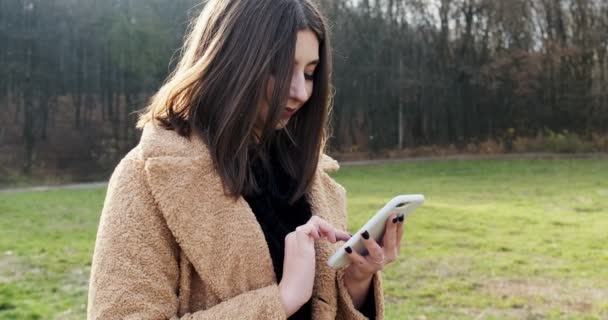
(516, 239)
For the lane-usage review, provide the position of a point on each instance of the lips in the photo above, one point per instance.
(289, 112)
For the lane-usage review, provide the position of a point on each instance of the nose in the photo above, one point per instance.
(297, 90)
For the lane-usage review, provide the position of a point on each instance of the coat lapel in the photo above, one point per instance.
(220, 235)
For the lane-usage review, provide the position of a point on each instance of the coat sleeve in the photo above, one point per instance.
(346, 308)
(135, 271)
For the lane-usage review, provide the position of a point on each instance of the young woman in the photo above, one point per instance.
(225, 209)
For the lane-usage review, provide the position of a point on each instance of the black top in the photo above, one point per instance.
(277, 218)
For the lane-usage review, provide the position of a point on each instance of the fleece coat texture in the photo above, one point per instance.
(172, 245)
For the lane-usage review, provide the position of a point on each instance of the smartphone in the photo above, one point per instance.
(402, 204)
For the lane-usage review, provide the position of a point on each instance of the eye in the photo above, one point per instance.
(309, 76)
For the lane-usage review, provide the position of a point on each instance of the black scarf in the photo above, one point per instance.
(276, 216)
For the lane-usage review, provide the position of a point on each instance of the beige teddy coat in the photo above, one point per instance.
(172, 245)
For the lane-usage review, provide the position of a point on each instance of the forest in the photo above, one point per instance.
(407, 73)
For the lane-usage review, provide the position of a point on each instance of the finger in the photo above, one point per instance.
(328, 230)
(390, 233)
(333, 234)
(361, 262)
(343, 235)
(400, 229)
(336, 234)
(390, 245)
(314, 223)
(376, 252)
(309, 230)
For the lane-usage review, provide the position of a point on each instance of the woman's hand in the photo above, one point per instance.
(359, 273)
(299, 262)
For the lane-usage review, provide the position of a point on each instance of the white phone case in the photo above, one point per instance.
(403, 204)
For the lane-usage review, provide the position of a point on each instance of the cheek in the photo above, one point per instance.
(309, 88)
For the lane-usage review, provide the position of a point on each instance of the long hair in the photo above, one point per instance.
(229, 54)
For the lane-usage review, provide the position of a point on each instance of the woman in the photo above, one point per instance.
(225, 210)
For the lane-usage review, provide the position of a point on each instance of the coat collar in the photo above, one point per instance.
(219, 234)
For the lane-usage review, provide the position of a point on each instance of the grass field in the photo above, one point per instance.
(516, 239)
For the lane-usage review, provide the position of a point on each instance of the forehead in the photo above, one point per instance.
(307, 48)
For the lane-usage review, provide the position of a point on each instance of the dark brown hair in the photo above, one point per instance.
(232, 49)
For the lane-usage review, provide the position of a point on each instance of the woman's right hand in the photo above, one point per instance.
(299, 262)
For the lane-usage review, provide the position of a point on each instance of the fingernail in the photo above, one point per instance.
(365, 235)
(395, 219)
(348, 250)
(401, 218)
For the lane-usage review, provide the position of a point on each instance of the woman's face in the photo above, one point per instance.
(304, 64)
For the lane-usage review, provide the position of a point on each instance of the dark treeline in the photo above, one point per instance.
(407, 73)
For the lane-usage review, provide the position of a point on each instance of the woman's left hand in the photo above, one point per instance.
(379, 255)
